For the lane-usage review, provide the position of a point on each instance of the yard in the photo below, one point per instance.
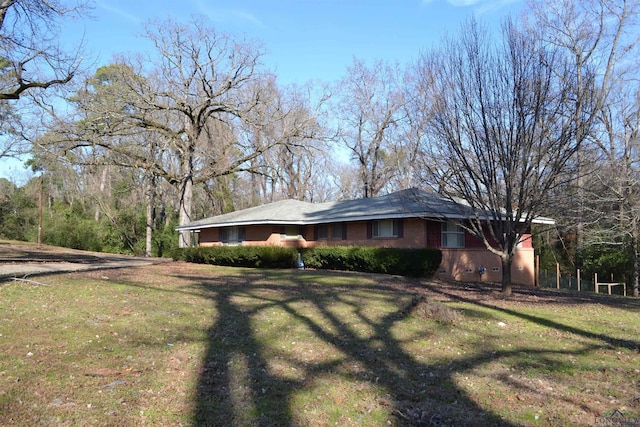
(182, 344)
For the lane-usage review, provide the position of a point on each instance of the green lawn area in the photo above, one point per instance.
(182, 344)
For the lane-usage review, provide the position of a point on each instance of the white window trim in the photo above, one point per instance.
(452, 236)
(391, 225)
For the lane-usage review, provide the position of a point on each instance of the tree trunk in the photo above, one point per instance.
(636, 261)
(184, 215)
(103, 184)
(506, 274)
(636, 270)
(151, 197)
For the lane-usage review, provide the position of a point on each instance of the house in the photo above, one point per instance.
(405, 219)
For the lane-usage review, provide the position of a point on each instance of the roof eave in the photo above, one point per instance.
(544, 221)
(540, 220)
(318, 221)
(237, 224)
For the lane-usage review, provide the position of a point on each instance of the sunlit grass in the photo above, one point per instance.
(199, 345)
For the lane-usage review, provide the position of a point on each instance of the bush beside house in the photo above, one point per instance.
(239, 256)
(404, 262)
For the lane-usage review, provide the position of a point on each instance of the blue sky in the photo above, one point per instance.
(304, 39)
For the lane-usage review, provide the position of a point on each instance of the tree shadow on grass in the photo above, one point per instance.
(235, 385)
(241, 380)
(606, 340)
(238, 384)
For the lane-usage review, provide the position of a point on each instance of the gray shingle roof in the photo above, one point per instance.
(408, 203)
(402, 204)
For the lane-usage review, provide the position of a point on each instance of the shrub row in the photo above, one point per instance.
(240, 256)
(404, 262)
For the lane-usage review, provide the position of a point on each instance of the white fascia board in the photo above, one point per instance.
(544, 220)
(238, 224)
(539, 220)
(298, 222)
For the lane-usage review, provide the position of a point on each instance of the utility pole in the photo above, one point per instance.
(40, 212)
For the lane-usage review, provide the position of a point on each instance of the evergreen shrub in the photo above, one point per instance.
(239, 256)
(403, 262)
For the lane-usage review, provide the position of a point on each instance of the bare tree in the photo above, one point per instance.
(611, 205)
(31, 60)
(370, 106)
(290, 169)
(501, 134)
(206, 84)
(100, 141)
(185, 97)
(182, 113)
(10, 130)
(612, 190)
(604, 36)
(418, 112)
(30, 54)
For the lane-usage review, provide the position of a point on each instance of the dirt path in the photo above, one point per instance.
(19, 259)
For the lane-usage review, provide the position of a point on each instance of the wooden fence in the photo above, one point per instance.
(554, 279)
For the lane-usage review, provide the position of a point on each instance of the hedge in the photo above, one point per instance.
(404, 262)
(240, 256)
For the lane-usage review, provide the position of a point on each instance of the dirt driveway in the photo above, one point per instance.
(19, 260)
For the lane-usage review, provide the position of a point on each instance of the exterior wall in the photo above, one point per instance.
(457, 264)
(464, 265)
(254, 236)
(209, 237)
(414, 236)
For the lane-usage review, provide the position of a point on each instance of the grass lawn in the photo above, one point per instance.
(181, 344)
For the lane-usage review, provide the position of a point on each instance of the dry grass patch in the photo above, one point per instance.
(436, 311)
(181, 344)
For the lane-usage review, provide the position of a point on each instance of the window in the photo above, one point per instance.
(452, 235)
(232, 235)
(323, 232)
(386, 228)
(290, 232)
(338, 231)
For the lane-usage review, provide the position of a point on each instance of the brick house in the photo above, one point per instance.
(405, 219)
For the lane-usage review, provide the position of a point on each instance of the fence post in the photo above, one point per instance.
(557, 275)
(595, 281)
(536, 279)
(578, 273)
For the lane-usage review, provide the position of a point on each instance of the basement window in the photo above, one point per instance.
(291, 232)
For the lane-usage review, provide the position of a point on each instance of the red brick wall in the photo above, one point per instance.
(414, 236)
(208, 237)
(457, 264)
(464, 265)
(254, 236)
